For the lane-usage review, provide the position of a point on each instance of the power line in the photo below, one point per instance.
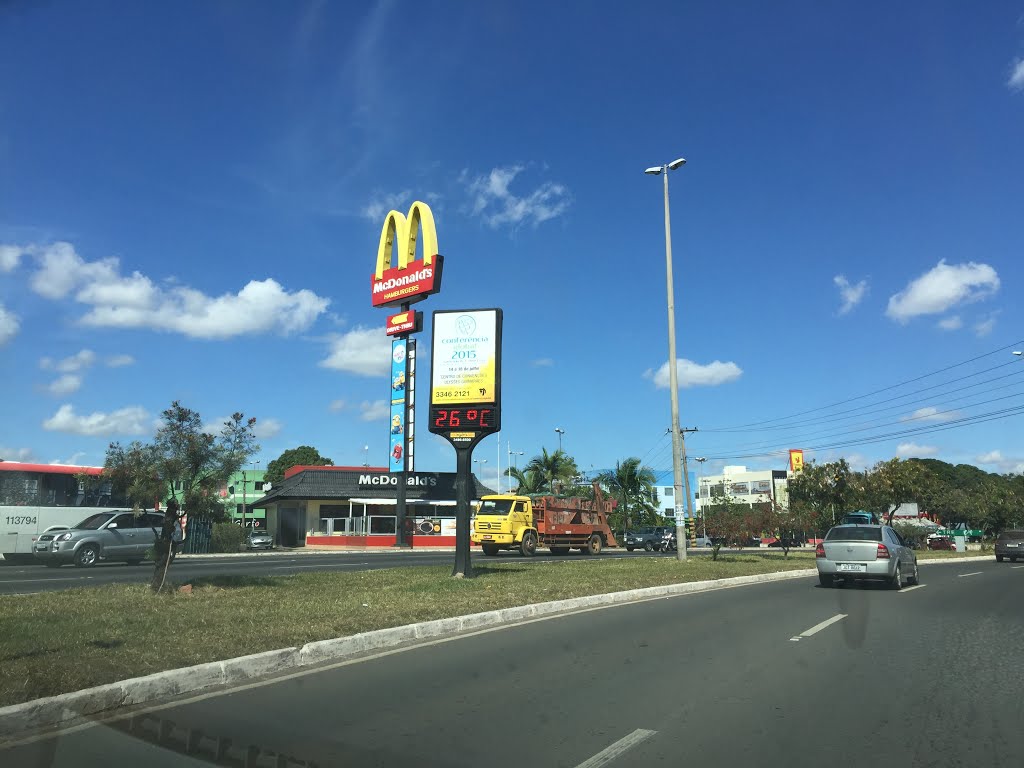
(875, 392)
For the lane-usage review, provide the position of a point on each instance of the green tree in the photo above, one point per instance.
(185, 466)
(632, 484)
(303, 456)
(527, 480)
(557, 468)
(727, 522)
(824, 491)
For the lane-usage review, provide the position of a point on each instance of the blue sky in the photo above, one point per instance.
(191, 197)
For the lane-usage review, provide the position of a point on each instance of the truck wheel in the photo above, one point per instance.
(489, 549)
(528, 546)
(87, 556)
(593, 545)
(560, 550)
(630, 549)
(648, 546)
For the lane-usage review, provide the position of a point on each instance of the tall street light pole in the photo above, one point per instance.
(678, 444)
(560, 432)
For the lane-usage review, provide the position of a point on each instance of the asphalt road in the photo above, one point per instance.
(784, 674)
(27, 579)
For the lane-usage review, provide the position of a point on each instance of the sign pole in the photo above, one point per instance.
(463, 461)
(403, 475)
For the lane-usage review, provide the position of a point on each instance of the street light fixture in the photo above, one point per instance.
(678, 439)
(560, 432)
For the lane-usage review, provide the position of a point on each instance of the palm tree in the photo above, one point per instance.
(528, 481)
(633, 485)
(553, 467)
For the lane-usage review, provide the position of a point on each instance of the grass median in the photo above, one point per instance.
(64, 641)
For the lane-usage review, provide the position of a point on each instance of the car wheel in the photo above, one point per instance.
(87, 556)
(825, 581)
(648, 546)
(999, 558)
(913, 580)
(630, 549)
(528, 546)
(896, 582)
(593, 545)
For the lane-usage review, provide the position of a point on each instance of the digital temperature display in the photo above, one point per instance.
(471, 419)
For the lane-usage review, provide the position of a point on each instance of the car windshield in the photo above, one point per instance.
(1011, 536)
(494, 507)
(93, 522)
(854, 533)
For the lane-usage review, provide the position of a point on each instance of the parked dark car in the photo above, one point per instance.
(1010, 544)
(653, 538)
(941, 542)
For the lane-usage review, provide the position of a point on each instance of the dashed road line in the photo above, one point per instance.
(911, 589)
(818, 627)
(975, 573)
(613, 751)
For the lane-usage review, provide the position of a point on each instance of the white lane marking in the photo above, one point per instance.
(326, 565)
(911, 589)
(826, 623)
(976, 573)
(612, 751)
(1015, 567)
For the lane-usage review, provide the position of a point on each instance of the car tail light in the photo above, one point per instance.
(882, 553)
(819, 551)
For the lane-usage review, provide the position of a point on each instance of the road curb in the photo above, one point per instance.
(71, 708)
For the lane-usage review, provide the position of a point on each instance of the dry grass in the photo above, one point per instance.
(64, 641)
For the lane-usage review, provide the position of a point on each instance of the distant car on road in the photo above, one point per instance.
(865, 552)
(703, 541)
(653, 538)
(941, 543)
(1010, 544)
(115, 535)
(259, 539)
(786, 542)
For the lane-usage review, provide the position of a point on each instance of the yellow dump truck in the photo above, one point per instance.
(523, 523)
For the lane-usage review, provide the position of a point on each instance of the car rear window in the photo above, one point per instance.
(1011, 536)
(854, 533)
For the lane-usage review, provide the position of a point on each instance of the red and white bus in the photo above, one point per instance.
(35, 498)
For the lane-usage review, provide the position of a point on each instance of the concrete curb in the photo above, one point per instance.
(71, 708)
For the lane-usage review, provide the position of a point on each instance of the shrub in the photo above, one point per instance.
(226, 537)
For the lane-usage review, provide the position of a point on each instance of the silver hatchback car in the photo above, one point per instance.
(865, 552)
(114, 535)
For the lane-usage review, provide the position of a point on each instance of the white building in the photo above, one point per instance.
(744, 486)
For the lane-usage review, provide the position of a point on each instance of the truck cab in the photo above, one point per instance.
(505, 522)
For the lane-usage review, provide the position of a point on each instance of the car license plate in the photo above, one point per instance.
(851, 567)
(486, 536)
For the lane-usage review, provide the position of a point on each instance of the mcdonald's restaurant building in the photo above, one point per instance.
(346, 506)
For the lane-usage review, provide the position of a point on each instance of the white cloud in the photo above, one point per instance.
(383, 202)
(941, 288)
(542, 362)
(73, 461)
(132, 420)
(931, 413)
(76, 362)
(951, 323)
(984, 327)
(1003, 464)
(16, 454)
(134, 301)
(904, 450)
(691, 374)
(364, 351)
(9, 325)
(266, 428)
(375, 411)
(850, 294)
(498, 206)
(119, 361)
(10, 255)
(65, 385)
(1016, 80)
(336, 405)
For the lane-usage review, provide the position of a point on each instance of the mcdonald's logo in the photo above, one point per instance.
(796, 460)
(404, 279)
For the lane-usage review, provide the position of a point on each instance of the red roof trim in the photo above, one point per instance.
(49, 469)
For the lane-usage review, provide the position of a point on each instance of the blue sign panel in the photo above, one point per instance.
(396, 424)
